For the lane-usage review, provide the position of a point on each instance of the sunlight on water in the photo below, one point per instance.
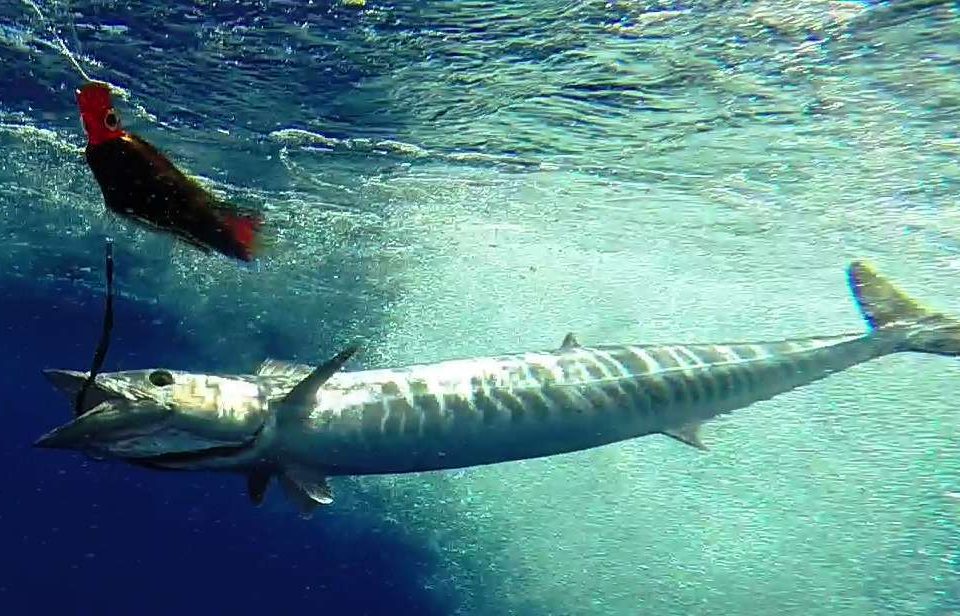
(807, 487)
(470, 178)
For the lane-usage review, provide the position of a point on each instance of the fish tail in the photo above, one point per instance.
(887, 308)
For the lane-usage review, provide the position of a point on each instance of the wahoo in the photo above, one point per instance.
(302, 424)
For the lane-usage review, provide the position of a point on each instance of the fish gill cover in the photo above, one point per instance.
(468, 178)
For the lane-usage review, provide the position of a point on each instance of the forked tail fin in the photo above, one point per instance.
(885, 307)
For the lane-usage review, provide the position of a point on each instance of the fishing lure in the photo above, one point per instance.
(139, 183)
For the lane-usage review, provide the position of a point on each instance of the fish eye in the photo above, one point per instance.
(161, 378)
(112, 119)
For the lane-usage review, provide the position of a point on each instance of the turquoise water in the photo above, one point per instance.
(470, 178)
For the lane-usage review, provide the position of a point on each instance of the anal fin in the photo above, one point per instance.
(689, 434)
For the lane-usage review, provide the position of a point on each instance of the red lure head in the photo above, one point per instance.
(100, 120)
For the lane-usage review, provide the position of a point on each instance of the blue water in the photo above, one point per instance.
(469, 178)
(159, 545)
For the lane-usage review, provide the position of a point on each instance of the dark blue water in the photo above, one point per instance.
(92, 538)
(83, 537)
(458, 178)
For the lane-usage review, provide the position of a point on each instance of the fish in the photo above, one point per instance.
(139, 183)
(302, 424)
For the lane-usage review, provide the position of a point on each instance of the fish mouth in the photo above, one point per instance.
(72, 435)
(105, 427)
(122, 420)
(107, 415)
(140, 434)
(70, 382)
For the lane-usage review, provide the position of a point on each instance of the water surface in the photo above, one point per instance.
(470, 178)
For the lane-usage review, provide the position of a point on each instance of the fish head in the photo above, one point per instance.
(159, 416)
(100, 119)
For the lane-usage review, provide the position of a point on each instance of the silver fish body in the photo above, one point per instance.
(476, 411)
(301, 424)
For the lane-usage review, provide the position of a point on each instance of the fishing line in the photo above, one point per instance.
(63, 46)
(123, 93)
(104, 344)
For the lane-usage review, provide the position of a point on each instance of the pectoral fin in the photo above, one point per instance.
(306, 489)
(257, 483)
(688, 434)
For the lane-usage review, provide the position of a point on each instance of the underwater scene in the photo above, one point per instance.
(460, 307)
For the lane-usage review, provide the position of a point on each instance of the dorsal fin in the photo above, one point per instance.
(277, 367)
(569, 342)
(300, 398)
(688, 434)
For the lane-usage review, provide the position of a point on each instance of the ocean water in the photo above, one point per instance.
(471, 178)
